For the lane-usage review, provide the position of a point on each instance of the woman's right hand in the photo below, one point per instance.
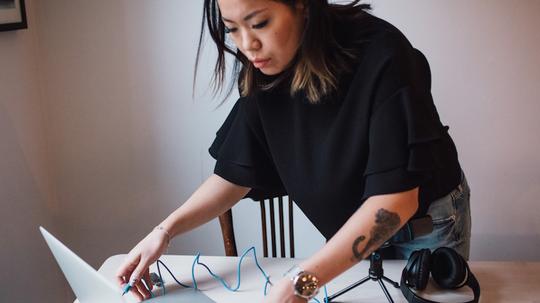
(135, 266)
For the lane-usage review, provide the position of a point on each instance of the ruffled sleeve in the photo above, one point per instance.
(242, 158)
(405, 134)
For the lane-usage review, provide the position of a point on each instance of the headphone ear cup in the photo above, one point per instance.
(448, 268)
(419, 270)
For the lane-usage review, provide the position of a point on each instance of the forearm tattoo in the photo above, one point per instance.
(386, 224)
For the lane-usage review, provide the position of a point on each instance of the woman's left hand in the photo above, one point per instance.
(283, 292)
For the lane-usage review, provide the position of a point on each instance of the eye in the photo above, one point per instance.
(260, 25)
(229, 30)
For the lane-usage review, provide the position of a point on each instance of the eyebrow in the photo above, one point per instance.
(247, 17)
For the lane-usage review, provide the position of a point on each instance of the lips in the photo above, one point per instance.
(260, 63)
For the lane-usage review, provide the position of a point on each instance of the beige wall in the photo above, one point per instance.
(100, 138)
(26, 187)
(486, 71)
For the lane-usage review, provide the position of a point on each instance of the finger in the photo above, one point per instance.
(143, 290)
(121, 280)
(147, 279)
(138, 272)
(136, 293)
(125, 270)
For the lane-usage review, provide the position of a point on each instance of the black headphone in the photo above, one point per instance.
(448, 268)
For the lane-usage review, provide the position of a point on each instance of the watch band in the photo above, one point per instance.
(293, 271)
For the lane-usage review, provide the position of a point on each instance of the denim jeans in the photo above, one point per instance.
(451, 225)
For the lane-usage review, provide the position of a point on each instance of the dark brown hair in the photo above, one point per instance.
(318, 62)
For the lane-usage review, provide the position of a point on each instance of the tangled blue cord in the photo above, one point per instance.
(197, 261)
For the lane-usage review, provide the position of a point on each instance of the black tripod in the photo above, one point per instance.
(376, 273)
(411, 230)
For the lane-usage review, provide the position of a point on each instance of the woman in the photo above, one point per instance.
(336, 111)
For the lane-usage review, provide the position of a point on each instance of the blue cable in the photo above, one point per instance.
(161, 277)
(193, 272)
(218, 278)
(325, 296)
(170, 272)
(196, 261)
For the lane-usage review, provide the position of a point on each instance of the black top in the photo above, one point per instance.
(379, 134)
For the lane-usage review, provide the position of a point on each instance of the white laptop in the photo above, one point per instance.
(91, 287)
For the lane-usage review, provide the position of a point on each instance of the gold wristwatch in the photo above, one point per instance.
(306, 284)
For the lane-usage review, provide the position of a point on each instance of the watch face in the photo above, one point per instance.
(306, 285)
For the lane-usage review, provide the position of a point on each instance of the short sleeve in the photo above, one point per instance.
(405, 131)
(242, 158)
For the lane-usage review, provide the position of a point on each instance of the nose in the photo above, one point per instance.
(250, 42)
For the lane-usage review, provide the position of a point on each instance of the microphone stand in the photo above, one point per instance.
(413, 229)
(375, 273)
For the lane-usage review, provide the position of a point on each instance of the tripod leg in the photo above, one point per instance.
(385, 291)
(395, 284)
(339, 293)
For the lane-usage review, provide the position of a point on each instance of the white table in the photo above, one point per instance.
(514, 282)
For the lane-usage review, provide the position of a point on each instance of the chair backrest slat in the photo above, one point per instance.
(273, 227)
(281, 228)
(226, 223)
(263, 225)
(291, 229)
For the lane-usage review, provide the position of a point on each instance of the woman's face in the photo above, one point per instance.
(267, 32)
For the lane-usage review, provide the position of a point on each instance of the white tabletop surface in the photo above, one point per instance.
(499, 281)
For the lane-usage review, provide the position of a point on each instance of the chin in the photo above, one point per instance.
(271, 71)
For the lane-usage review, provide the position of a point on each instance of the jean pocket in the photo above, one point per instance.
(443, 210)
(444, 217)
(444, 220)
(444, 229)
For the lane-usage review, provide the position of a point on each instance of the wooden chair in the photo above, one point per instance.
(226, 222)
